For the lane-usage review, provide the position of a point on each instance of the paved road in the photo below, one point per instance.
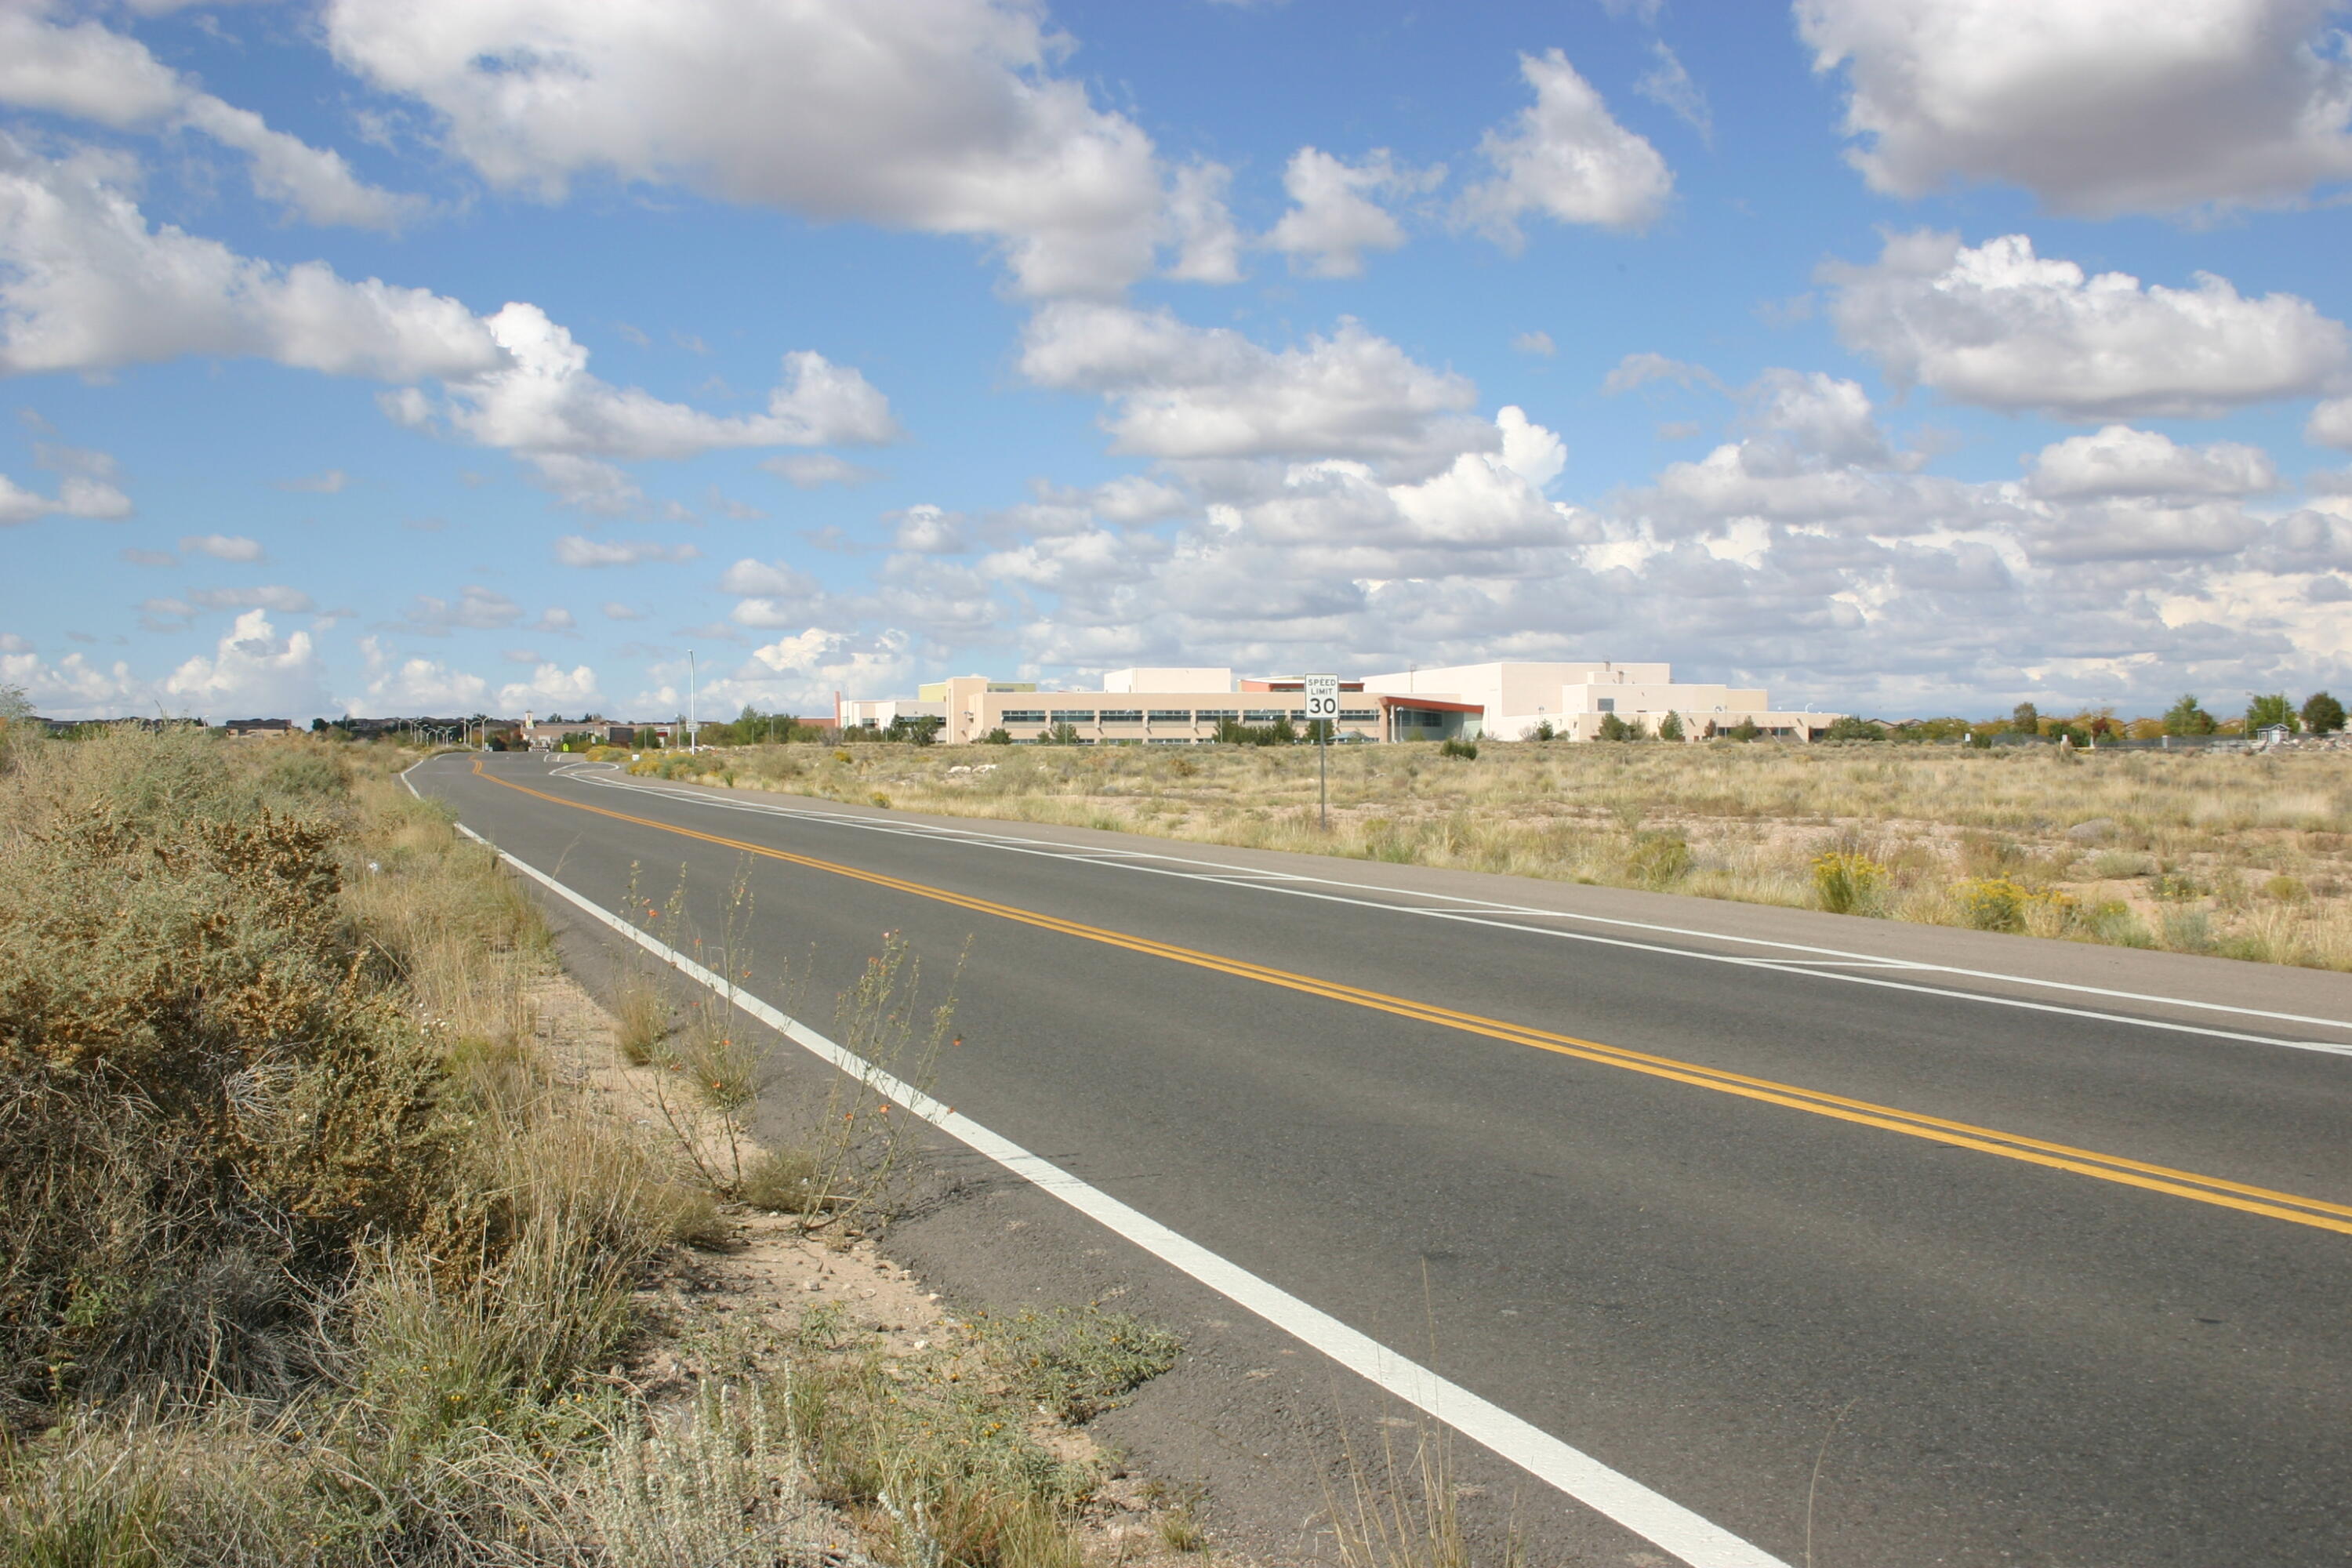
(1711, 1241)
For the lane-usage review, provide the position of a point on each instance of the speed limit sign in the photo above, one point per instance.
(1322, 697)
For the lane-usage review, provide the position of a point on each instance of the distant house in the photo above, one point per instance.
(261, 728)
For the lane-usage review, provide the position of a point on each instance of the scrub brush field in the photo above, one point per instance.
(2235, 854)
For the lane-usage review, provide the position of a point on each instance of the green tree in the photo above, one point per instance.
(1613, 728)
(1745, 730)
(2025, 719)
(2185, 718)
(2322, 714)
(2270, 708)
(1853, 727)
(1000, 736)
(1670, 728)
(1543, 731)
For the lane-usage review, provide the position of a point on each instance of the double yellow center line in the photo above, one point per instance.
(2317, 1212)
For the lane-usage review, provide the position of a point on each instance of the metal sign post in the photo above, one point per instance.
(1323, 712)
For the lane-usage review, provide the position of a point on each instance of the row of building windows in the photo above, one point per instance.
(1177, 715)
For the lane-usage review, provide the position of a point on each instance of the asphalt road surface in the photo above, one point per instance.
(2040, 1257)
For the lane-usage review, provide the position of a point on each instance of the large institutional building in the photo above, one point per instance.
(1503, 701)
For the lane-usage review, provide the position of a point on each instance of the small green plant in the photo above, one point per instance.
(1467, 750)
(642, 1018)
(2188, 931)
(785, 1181)
(1658, 860)
(1849, 884)
(1078, 1362)
(2112, 921)
(1180, 1531)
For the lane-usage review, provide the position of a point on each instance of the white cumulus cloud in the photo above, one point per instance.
(2001, 327)
(417, 686)
(222, 546)
(2330, 424)
(78, 496)
(551, 689)
(1182, 391)
(574, 550)
(88, 284)
(542, 399)
(87, 72)
(1336, 215)
(2098, 107)
(251, 673)
(2121, 462)
(942, 116)
(1567, 157)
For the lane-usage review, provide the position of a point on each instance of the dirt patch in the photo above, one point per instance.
(765, 1302)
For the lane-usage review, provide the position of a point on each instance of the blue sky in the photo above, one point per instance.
(390, 356)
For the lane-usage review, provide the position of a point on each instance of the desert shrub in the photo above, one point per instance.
(1849, 883)
(247, 1044)
(1467, 750)
(1658, 860)
(2112, 921)
(207, 1095)
(1077, 1363)
(2188, 931)
(1992, 903)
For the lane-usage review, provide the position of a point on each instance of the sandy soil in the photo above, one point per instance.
(736, 1306)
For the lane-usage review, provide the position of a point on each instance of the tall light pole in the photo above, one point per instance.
(690, 727)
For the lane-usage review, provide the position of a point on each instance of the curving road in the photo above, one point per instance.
(1864, 1243)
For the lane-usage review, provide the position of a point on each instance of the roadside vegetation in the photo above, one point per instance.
(2244, 855)
(314, 1251)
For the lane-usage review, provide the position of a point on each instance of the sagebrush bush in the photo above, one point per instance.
(205, 1096)
(1849, 884)
(286, 1186)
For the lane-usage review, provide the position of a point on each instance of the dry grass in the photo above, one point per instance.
(315, 1253)
(2244, 856)
(308, 1257)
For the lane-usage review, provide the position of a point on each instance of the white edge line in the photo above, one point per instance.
(1657, 1519)
(1818, 969)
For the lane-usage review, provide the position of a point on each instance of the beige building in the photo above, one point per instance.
(1157, 706)
(1180, 706)
(1514, 698)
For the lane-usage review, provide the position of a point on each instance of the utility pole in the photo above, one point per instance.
(691, 729)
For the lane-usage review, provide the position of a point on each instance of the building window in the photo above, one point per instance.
(1171, 715)
(1121, 715)
(1359, 715)
(1216, 715)
(1073, 716)
(1022, 716)
(1421, 718)
(1609, 705)
(1268, 715)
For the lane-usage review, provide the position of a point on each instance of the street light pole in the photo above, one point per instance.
(692, 731)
